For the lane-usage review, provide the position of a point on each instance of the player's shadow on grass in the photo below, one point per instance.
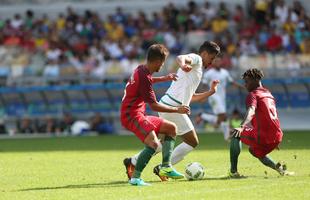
(80, 186)
(112, 184)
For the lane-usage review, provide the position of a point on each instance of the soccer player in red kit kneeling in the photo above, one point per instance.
(260, 129)
(138, 92)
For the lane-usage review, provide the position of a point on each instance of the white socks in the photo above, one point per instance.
(178, 153)
(225, 129)
(212, 119)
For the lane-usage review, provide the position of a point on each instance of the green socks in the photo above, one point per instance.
(144, 157)
(168, 146)
(268, 162)
(235, 148)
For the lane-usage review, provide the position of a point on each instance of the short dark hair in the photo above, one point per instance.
(157, 52)
(254, 74)
(210, 47)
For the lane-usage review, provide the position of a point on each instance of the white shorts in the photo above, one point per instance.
(183, 122)
(218, 104)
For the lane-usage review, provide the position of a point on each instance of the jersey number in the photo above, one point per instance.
(272, 109)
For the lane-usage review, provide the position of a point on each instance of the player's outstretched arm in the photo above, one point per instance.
(199, 97)
(168, 77)
(184, 61)
(236, 132)
(238, 85)
(163, 108)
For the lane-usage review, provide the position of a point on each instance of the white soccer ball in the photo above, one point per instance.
(194, 171)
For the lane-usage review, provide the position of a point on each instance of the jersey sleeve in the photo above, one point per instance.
(251, 100)
(145, 89)
(196, 59)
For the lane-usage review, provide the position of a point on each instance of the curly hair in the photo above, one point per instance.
(254, 73)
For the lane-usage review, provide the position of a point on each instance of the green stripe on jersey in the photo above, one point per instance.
(166, 103)
(173, 99)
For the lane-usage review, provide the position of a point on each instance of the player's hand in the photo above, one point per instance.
(186, 68)
(214, 85)
(236, 132)
(184, 110)
(171, 77)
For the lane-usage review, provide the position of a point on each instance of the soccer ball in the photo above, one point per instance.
(194, 171)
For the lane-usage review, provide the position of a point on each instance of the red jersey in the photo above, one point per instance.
(138, 91)
(265, 121)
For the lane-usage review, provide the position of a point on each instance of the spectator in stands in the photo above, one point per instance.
(26, 126)
(281, 12)
(2, 127)
(53, 52)
(101, 125)
(209, 11)
(274, 43)
(49, 126)
(66, 123)
(51, 69)
(17, 22)
(120, 37)
(261, 7)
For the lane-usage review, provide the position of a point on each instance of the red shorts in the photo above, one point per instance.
(249, 137)
(142, 125)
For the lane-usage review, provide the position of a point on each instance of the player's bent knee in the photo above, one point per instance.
(253, 154)
(155, 145)
(172, 130)
(194, 143)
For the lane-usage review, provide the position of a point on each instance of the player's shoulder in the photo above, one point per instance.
(261, 91)
(210, 70)
(224, 71)
(193, 54)
(194, 57)
(142, 70)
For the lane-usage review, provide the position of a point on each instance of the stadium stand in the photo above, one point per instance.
(77, 60)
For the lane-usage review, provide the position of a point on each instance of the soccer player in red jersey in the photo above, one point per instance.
(137, 93)
(260, 129)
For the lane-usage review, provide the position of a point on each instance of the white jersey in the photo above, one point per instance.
(222, 75)
(181, 91)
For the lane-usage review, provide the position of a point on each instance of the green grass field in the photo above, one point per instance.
(91, 168)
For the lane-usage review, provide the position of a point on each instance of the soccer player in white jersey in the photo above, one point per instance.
(218, 100)
(182, 92)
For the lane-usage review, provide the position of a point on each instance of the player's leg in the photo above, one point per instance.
(224, 125)
(190, 141)
(210, 118)
(261, 153)
(146, 132)
(133, 159)
(151, 142)
(220, 109)
(168, 129)
(188, 134)
(247, 137)
(235, 149)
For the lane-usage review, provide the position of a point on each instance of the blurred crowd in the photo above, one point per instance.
(88, 44)
(67, 125)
